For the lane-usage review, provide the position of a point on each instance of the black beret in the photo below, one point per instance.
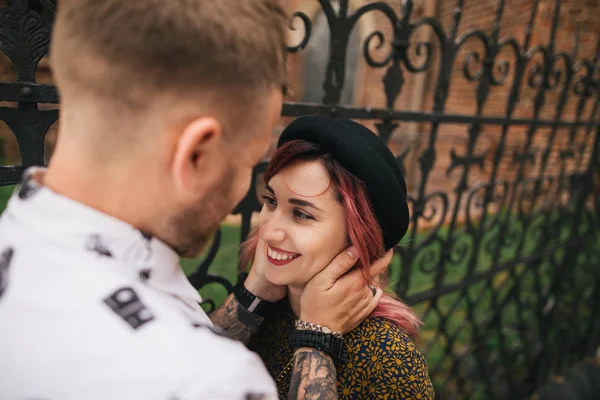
(361, 152)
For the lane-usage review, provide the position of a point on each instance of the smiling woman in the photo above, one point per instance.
(302, 221)
(327, 187)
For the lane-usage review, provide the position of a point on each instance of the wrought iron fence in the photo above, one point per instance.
(505, 271)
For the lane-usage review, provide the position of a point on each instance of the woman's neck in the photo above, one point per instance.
(294, 295)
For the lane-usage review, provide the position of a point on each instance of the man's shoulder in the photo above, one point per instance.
(209, 364)
(232, 372)
(122, 324)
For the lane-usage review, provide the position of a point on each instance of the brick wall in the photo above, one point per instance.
(418, 89)
(462, 98)
(462, 95)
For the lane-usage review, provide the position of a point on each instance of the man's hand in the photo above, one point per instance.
(338, 298)
(257, 284)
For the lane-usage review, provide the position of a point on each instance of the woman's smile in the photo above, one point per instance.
(279, 257)
(301, 232)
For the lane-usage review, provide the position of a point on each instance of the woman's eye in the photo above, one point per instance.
(303, 216)
(269, 201)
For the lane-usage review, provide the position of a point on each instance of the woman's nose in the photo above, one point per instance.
(272, 231)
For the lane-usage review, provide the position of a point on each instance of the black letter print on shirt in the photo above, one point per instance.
(94, 243)
(28, 188)
(5, 259)
(127, 305)
(255, 396)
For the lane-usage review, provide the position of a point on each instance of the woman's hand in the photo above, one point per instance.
(338, 297)
(256, 282)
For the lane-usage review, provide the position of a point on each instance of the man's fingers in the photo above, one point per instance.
(340, 264)
(380, 265)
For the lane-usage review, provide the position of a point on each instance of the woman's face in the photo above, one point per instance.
(302, 224)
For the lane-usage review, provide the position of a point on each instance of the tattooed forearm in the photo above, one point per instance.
(313, 376)
(237, 322)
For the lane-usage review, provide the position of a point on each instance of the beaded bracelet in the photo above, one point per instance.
(309, 326)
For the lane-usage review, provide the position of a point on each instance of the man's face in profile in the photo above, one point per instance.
(197, 224)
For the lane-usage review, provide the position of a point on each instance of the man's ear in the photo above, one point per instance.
(197, 162)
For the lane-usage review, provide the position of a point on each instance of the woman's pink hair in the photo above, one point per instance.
(364, 232)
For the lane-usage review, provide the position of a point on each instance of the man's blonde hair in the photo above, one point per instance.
(130, 51)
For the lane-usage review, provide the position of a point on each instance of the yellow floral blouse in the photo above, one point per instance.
(383, 363)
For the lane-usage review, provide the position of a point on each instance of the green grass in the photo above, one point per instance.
(5, 193)
(225, 263)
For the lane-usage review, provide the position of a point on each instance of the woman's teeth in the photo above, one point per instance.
(279, 256)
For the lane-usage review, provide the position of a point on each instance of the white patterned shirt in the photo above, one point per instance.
(91, 308)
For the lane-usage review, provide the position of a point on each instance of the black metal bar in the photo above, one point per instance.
(298, 109)
(28, 92)
(432, 294)
(517, 277)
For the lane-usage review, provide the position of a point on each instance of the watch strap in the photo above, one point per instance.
(250, 302)
(325, 342)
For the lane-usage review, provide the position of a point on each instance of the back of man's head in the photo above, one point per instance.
(166, 105)
(130, 52)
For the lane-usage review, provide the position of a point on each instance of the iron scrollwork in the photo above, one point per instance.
(495, 263)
